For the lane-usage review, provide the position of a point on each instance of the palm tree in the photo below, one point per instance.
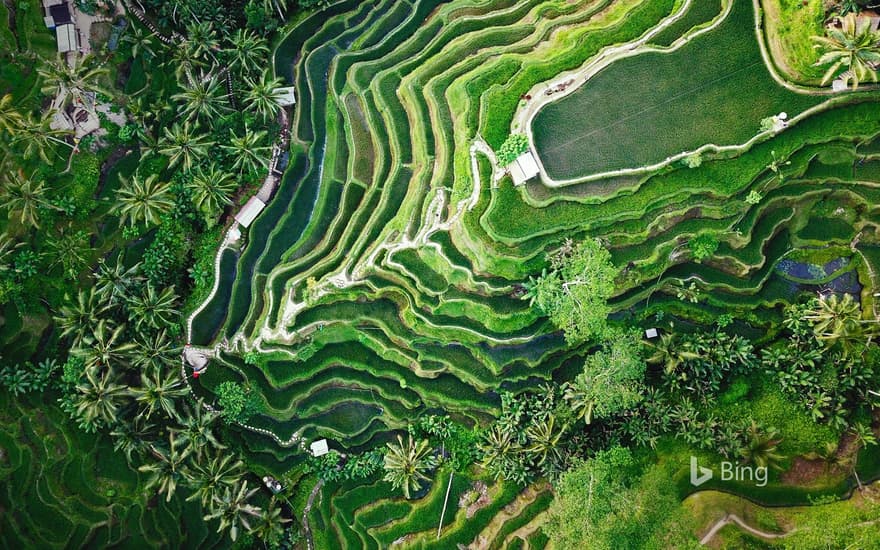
(99, 397)
(203, 38)
(211, 478)
(104, 347)
(68, 251)
(863, 436)
(270, 525)
(112, 283)
(39, 138)
(211, 188)
(854, 47)
(406, 463)
(198, 430)
(186, 58)
(158, 393)
(233, 509)
(544, 439)
(133, 437)
(11, 119)
(248, 52)
(24, 196)
(249, 155)
(201, 97)
(836, 320)
(72, 80)
(168, 470)
(8, 245)
(671, 353)
(182, 144)
(154, 351)
(495, 444)
(77, 318)
(760, 447)
(151, 308)
(142, 42)
(142, 200)
(580, 399)
(264, 96)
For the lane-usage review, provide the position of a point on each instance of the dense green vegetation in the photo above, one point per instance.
(475, 353)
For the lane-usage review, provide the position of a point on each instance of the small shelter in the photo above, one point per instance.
(524, 168)
(319, 447)
(57, 12)
(250, 211)
(66, 37)
(286, 97)
(651, 333)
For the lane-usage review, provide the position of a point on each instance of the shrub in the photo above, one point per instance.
(703, 246)
(513, 146)
(237, 403)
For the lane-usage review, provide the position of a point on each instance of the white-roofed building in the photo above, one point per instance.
(250, 211)
(67, 38)
(524, 168)
(319, 447)
(287, 96)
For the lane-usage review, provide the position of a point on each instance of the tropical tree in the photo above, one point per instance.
(133, 437)
(544, 437)
(154, 351)
(99, 397)
(68, 251)
(168, 470)
(105, 346)
(249, 155)
(670, 352)
(269, 527)
(142, 42)
(853, 48)
(406, 464)
(202, 96)
(761, 445)
(203, 38)
(248, 52)
(182, 144)
(113, 282)
(24, 196)
(142, 200)
(186, 58)
(77, 318)
(264, 96)
(158, 392)
(72, 80)
(234, 510)
(11, 120)
(197, 430)
(151, 308)
(211, 188)
(39, 138)
(863, 436)
(495, 444)
(213, 476)
(836, 319)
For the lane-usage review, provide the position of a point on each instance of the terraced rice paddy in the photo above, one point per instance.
(643, 109)
(381, 281)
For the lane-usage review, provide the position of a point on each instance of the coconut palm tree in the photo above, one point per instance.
(212, 477)
(99, 397)
(68, 251)
(153, 309)
(158, 393)
(671, 353)
(113, 282)
(72, 80)
(24, 196)
(406, 464)
(863, 436)
(248, 153)
(201, 96)
(186, 59)
(183, 144)
(8, 245)
(580, 399)
(269, 527)
(142, 42)
(264, 96)
(203, 38)
(142, 200)
(853, 48)
(248, 52)
(39, 138)
(197, 429)
(495, 444)
(168, 470)
(77, 318)
(836, 319)
(233, 509)
(154, 351)
(211, 188)
(133, 437)
(760, 447)
(105, 347)
(11, 120)
(544, 437)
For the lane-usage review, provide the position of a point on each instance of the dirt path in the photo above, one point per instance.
(307, 532)
(733, 518)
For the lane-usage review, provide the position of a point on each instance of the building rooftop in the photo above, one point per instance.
(66, 36)
(250, 211)
(288, 97)
(319, 447)
(524, 168)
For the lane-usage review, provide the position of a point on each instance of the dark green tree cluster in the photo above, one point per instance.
(513, 147)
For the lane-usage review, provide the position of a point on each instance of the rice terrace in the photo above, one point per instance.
(486, 274)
